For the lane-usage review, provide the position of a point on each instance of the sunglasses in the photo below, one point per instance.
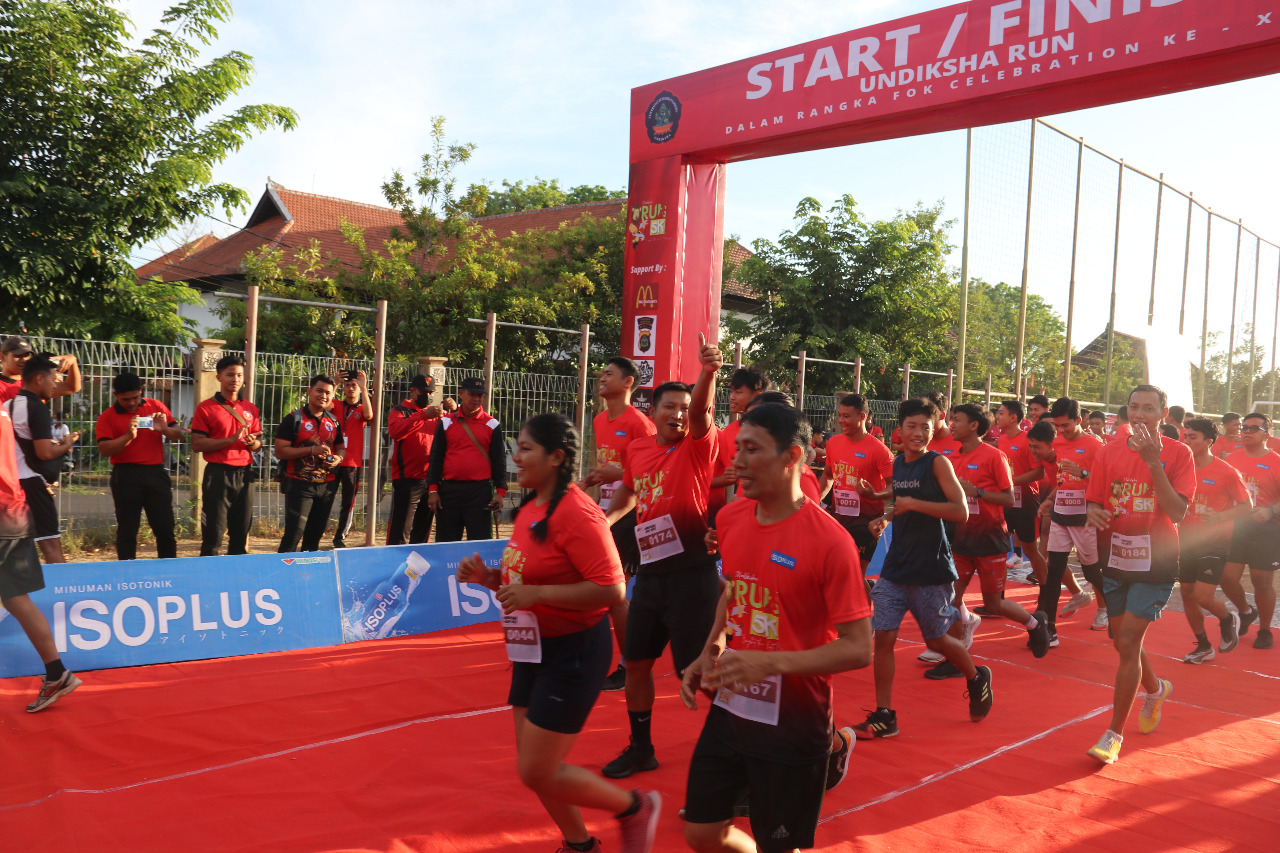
(1253, 429)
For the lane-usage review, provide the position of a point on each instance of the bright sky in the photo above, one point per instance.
(543, 89)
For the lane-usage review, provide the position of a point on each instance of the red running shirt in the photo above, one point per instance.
(1141, 542)
(1018, 451)
(351, 416)
(613, 437)
(947, 445)
(579, 547)
(1224, 447)
(728, 449)
(1261, 477)
(848, 461)
(147, 448)
(984, 532)
(213, 419)
(789, 584)
(672, 483)
(14, 517)
(1069, 501)
(1218, 487)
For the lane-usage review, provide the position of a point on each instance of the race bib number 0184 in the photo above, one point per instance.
(1130, 553)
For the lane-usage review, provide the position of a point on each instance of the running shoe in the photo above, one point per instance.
(616, 680)
(930, 656)
(633, 759)
(1038, 637)
(970, 628)
(1230, 632)
(1200, 654)
(594, 848)
(944, 670)
(1262, 641)
(879, 723)
(639, 828)
(1247, 619)
(1012, 560)
(979, 694)
(52, 691)
(1149, 716)
(1080, 599)
(1099, 621)
(1053, 639)
(1032, 579)
(1107, 749)
(838, 762)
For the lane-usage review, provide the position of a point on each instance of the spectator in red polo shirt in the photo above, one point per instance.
(14, 353)
(131, 434)
(309, 441)
(412, 426)
(228, 431)
(467, 477)
(354, 411)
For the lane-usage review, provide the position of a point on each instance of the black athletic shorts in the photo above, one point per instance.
(1022, 521)
(624, 538)
(677, 608)
(44, 512)
(560, 691)
(1255, 544)
(20, 571)
(1200, 564)
(786, 799)
(860, 529)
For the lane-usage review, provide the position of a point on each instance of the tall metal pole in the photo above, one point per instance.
(951, 389)
(373, 490)
(1235, 291)
(1204, 329)
(857, 375)
(964, 258)
(800, 382)
(1026, 252)
(1186, 261)
(1071, 293)
(737, 355)
(1115, 279)
(1253, 320)
(250, 342)
(988, 392)
(490, 344)
(580, 421)
(906, 380)
(1275, 333)
(1155, 255)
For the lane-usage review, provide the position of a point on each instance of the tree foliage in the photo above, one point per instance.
(991, 342)
(104, 147)
(540, 195)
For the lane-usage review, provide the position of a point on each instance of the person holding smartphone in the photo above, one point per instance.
(228, 431)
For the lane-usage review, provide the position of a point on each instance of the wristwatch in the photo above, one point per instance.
(981, 492)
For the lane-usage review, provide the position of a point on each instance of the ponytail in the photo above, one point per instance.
(552, 432)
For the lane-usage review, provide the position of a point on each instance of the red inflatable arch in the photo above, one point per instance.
(971, 64)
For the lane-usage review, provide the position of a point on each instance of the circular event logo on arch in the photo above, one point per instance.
(662, 119)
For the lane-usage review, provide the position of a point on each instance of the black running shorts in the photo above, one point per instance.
(863, 539)
(1022, 522)
(786, 799)
(1255, 544)
(44, 512)
(677, 608)
(1200, 564)
(624, 538)
(20, 571)
(560, 691)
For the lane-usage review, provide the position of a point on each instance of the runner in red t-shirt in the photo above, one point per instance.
(615, 428)
(792, 597)
(745, 384)
(560, 575)
(1137, 492)
(354, 411)
(1256, 538)
(1221, 498)
(1023, 516)
(1231, 440)
(895, 441)
(667, 478)
(854, 457)
(943, 441)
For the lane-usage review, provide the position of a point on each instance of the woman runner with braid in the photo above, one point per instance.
(560, 575)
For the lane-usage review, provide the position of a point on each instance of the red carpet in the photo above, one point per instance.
(405, 745)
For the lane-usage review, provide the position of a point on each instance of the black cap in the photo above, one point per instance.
(474, 384)
(15, 344)
(422, 383)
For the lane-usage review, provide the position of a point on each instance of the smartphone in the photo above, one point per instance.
(146, 422)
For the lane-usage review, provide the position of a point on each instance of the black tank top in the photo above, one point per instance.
(920, 553)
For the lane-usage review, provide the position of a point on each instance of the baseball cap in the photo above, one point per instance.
(16, 345)
(422, 383)
(474, 384)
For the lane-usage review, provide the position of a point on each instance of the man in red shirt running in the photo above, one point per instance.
(1137, 492)
(667, 478)
(1221, 498)
(1022, 517)
(854, 457)
(745, 384)
(1256, 538)
(615, 428)
(1231, 440)
(354, 412)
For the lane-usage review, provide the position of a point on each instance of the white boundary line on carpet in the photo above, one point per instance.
(937, 777)
(256, 758)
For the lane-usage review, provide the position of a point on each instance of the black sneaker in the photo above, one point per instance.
(1247, 619)
(1263, 640)
(633, 759)
(1038, 637)
(616, 680)
(339, 543)
(1230, 632)
(979, 694)
(946, 669)
(880, 723)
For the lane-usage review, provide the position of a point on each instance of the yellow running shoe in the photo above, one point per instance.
(1107, 749)
(1149, 716)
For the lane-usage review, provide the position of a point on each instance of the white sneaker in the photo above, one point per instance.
(969, 628)
(1099, 621)
(930, 656)
(1080, 599)
(1011, 561)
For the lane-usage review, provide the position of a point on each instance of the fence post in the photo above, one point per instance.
(584, 349)
(988, 391)
(490, 344)
(433, 366)
(250, 343)
(906, 380)
(373, 483)
(737, 355)
(800, 382)
(857, 375)
(204, 360)
(951, 385)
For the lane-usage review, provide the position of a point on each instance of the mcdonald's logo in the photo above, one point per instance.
(645, 298)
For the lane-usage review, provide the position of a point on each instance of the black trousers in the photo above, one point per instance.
(306, 513)
(348, 488)
(464, 505)
(227, 508)
(410, 515)
(136, 489)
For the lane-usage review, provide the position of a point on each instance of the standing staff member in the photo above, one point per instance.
(228, 431)
(14, 353)
(467, 478)
(560, 574)
(412, 426)
(131, 434)
(39, 455)
(354, 411)
(309, 441)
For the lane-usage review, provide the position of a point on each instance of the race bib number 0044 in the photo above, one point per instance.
(524, 641)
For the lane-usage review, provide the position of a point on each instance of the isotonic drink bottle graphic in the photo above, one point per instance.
(380, 611)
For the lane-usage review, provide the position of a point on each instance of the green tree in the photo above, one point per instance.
(1128, 368)
(841, 286)
(104, 147)
(540, 195)
(991, 341)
